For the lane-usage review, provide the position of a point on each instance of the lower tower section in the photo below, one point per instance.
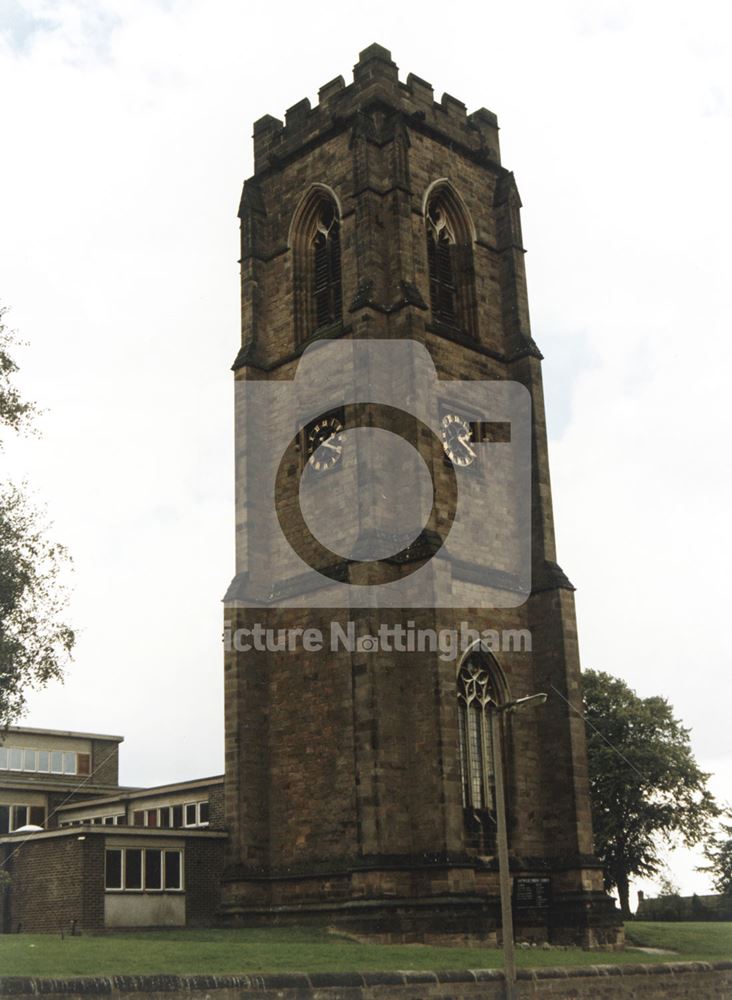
(346, 793)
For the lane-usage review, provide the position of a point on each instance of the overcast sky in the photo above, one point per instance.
(126, 131)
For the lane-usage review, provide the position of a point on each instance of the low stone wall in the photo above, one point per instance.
(662, 981)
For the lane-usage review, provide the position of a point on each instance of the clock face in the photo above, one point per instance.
(458, 440)
(324, 443)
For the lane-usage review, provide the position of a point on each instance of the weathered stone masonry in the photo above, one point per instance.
(680, 981)
(343, 787)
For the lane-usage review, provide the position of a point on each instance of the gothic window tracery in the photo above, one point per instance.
(316, 245)
(477, 698)
(450, 261)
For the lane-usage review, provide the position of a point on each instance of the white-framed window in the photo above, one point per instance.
(44, 761)
(195, 813)
(12, 817)
(185, 814)
(116, 820)
(138, 869)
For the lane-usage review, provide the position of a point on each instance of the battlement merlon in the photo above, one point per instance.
(375, 82)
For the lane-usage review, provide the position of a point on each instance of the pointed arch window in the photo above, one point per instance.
(450, 262)
(477, 697)
(316, 244)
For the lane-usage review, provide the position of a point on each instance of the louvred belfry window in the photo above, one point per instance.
(327, 268)
(440, 244)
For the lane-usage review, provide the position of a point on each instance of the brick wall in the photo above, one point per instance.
(217, 816)
(57, 884)
(204, 866)
(105, 762)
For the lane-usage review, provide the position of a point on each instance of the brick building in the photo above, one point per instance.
(42, 768)
(85, 854)
(360, 786)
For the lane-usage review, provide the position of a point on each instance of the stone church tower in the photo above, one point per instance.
(360, 785)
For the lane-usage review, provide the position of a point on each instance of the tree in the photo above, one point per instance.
(34, 642)
(718, 852)
(668, 903)
(646, 788)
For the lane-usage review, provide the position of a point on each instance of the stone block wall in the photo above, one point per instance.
(683, 981)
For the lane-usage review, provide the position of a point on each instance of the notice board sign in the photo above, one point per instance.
(531, 893)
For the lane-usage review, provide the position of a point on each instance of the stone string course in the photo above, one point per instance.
(662, 981)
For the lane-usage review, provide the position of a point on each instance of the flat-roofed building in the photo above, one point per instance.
(42, 770)
(186, 805)
(106, 856)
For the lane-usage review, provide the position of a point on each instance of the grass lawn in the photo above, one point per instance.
(300, 950)
(707, 941)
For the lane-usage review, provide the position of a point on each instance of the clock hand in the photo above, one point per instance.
(327, 444)
(463, 439)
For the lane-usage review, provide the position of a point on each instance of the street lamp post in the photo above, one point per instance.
(504, 874)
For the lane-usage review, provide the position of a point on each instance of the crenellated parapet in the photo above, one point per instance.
(376, 85)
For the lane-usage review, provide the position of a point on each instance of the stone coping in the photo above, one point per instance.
(148, 985)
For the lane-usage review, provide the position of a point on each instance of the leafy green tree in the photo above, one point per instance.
(718, 852)
(34, 642)
(646, 787)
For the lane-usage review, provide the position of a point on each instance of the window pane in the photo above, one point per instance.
(177, 816)
(3, 759)
(462, 732)
(138, 817)
(20, 816)
(165, 816)
(69, 763)
(56, 762)
(120, 820)
(153, 870)
(172, 870)
(203, 812)
(490, 785)
(152, 817)
(38, 815)
(43, 762)
(113, 870)
(83, 763)
(133, 869)
(29, 760)
(475, 751)
(4, 819)
(191, 814)
(15, 759)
